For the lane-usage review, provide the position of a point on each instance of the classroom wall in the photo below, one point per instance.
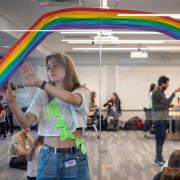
(128, 77)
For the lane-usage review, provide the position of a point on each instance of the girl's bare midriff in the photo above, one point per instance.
(57, 143)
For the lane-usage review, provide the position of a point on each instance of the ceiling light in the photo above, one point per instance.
(163, 48)
(104, 49)
(176, 16)
(150, 48)
(135, 32)
(115, 40)
(104, 4)
(105, 32)
(6, 46)
(105, 39)
(139, 54)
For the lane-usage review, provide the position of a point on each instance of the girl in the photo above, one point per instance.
(60, 107)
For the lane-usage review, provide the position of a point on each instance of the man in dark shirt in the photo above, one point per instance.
(160, 114)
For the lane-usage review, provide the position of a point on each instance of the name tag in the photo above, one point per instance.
(70, 163)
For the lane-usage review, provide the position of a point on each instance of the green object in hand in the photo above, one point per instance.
(53, 110)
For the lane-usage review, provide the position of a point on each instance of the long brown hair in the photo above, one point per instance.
(1, 107)
(93, 96)
(152, 87)
(71, 81)
(174, 159)
(38, 142)
(171, 174)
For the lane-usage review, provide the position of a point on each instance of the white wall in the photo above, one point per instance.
(130, 82)
(129, 78)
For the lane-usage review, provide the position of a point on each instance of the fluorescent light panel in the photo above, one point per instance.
(139, 54)
(89, 41)
(165, 48)
(97, 49)
(176, 16)
(7, 46)
(105, 32)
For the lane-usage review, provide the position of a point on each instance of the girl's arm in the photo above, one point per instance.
(66, 96)
(25, 120)
(32, 79)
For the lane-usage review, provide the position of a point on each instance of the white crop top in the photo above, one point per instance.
(75, 117)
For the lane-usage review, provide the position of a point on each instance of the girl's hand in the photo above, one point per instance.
(30, 76)
(8, 93)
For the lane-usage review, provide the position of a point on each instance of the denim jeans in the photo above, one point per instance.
(57, 166)
(160, 136)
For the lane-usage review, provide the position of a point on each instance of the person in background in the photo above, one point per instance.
(151, 89)
(114, 106)
(3, 133)
(173, 162)
(9, 115)
(32, 158)
(114, 109)
(160, 114)
(18, 149)
(148, 113)
(92, 104)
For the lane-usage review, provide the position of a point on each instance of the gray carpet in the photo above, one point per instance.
(125, 155)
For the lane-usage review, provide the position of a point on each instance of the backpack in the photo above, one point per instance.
(134, 123)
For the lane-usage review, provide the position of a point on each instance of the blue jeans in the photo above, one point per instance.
(160, 136)
(59, 166)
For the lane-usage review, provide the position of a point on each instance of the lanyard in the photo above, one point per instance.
(65, 134)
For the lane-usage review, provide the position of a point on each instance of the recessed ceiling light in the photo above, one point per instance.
(105, 32)
(150, 48)
(139, 54)
(117, 41)
(6, 46)
(176, 16)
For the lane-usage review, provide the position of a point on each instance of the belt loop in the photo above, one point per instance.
(47, 149)
(55, 150)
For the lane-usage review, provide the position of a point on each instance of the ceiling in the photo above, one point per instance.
(6, 40)
(21, 14)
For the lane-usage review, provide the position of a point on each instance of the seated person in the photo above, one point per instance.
(173, 162)
(18, 149)
(114, 106)
(3, 133)
(92, 104)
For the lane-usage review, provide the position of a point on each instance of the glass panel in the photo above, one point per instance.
(128, 146)
(14, 25)
(117, 57)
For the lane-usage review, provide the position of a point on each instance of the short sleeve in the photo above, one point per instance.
(36, 105)
(84, 93)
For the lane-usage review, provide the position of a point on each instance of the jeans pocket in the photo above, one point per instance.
(44, 152)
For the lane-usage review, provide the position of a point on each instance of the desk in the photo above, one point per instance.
(175, 115)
